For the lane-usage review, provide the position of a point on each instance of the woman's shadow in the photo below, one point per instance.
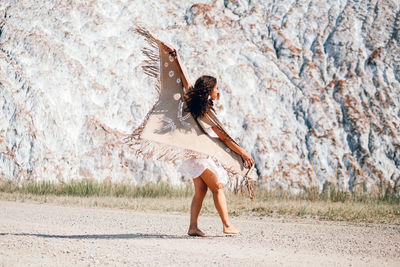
(108, 236)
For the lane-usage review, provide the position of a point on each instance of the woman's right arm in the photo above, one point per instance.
(182, 75)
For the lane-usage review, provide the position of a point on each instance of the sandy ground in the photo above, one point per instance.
(50, 235)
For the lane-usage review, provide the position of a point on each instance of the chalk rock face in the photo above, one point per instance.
(310, 88)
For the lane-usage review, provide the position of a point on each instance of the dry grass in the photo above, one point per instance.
(330, 204)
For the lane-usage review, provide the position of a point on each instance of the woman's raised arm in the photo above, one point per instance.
(182, 74)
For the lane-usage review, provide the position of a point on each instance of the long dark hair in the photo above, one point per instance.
(197, 97)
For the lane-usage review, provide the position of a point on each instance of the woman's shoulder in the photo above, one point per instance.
(211, 113)
(205, 119)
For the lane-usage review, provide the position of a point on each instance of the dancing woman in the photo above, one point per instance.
(200, 134)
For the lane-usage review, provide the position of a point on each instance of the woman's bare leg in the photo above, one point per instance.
(200, 191)
(217, 190)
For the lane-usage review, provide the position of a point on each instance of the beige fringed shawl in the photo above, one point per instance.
(169, 133)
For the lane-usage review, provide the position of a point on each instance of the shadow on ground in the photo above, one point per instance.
(110, 236)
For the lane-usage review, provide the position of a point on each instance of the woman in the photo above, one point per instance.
(206, 173)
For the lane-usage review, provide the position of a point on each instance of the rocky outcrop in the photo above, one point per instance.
(310, 88)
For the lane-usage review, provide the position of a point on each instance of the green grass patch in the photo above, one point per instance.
(89, 188)
(330, 204)
(332, 193)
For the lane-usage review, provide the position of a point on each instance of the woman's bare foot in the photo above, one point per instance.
(196, 232)
(231, 230)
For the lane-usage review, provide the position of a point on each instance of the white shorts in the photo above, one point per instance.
(193, 168)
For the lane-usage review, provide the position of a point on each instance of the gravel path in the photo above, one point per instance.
(51, 235)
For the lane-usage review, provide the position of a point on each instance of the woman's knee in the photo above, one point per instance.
(212, 181)
(200, 186)
(216, 188)
(201, 192)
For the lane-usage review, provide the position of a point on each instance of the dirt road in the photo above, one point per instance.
(51, 235)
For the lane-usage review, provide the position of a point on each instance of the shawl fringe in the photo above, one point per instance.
(155, 150)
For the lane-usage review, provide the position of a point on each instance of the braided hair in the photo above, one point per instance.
(197, 98)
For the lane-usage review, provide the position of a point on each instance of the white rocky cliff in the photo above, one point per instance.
(310, 88)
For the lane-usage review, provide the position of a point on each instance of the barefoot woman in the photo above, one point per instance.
(207, 173)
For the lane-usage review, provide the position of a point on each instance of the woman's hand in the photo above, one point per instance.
(248, 160)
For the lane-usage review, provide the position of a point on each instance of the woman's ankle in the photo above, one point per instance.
(193, 226)
(227, 225)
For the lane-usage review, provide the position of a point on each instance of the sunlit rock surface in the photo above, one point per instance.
(310, 88)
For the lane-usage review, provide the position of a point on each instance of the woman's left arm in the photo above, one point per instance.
(249, 161)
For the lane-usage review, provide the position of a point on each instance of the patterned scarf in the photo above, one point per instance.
(169, 133)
